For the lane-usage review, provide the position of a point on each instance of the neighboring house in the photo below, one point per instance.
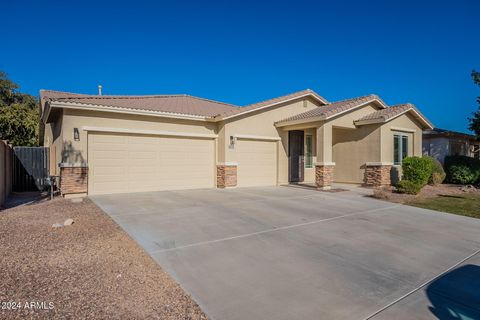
(440, 143)
(115, 144)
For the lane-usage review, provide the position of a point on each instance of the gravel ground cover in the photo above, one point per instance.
(389, 194)
(90, 269)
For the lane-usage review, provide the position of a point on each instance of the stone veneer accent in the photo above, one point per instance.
(226, 175)
(324, 176)
(377, 175)
(73, 180)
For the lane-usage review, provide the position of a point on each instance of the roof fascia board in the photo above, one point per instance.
(383, 120)
(274, 104)
(90, 107)
(425, 121)
(419, 116)
(150, 132)
(46, 113)
(457, 135)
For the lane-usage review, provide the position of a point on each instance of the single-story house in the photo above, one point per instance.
(103, 144)
(440, 143)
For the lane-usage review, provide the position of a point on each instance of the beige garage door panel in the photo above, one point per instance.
(134, 163)
(257, 163)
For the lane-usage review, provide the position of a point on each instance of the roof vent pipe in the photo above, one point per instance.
(99, 90)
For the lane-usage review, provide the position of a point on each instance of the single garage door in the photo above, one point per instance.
(121, 163)
(257, 163)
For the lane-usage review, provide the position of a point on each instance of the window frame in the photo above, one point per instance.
(306, 154)
(403, 153)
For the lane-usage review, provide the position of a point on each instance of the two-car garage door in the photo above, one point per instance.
(121, 163)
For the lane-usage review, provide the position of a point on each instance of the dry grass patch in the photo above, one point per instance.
(445, 197)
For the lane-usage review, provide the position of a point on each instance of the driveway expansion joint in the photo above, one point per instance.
(426, 283)
(275, 229)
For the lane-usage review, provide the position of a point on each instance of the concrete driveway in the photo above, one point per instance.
(291, 253)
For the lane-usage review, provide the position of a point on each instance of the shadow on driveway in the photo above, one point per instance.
(456, 295)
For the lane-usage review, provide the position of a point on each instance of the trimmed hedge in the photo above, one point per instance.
(462, 170)
(409, 187)
(438, 174)
(417, 169)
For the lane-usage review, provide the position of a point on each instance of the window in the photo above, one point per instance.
(308, 151)
(400, 148)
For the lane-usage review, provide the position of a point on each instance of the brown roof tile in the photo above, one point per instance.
(274, 101)
(393, 111)
(180, 104)
(387, 113)
(334, 108)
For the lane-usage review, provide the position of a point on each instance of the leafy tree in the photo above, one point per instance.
(19, 114)
(7, 89)
(475, 119)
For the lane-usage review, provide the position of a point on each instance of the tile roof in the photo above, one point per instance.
(180, 104)
(437, 132)
(177, 104)
(387, 113)
(274, 101)
(334, 108)
(392, 112)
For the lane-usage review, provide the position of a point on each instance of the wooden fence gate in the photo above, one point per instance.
(30, 169)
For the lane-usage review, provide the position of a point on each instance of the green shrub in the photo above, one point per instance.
(461, 174)
(417, 170)
(462, 169)
(437, 178)
(438, 174)
(409, 187)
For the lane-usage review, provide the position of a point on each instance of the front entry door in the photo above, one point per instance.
(295, 156)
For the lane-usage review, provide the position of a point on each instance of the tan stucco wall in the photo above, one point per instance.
(221, 142)
(345, 120)
(76, 151)
(341, 142)
(261, 123)
(352, 148)
(404, 121)
(54, 140)
(336, 140)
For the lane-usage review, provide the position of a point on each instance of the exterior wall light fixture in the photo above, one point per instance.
(233, 139)
(76, 134)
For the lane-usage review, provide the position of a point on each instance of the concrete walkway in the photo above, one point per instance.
(295, 253)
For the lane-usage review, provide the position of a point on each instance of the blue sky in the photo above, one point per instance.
(245, 51)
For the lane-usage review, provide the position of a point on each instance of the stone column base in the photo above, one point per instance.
(377, 174)
(73, 179)
(324, 176)
(226, 175)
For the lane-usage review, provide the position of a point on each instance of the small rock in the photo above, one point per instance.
(68, 222)
(467, 188)
(57, 225)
